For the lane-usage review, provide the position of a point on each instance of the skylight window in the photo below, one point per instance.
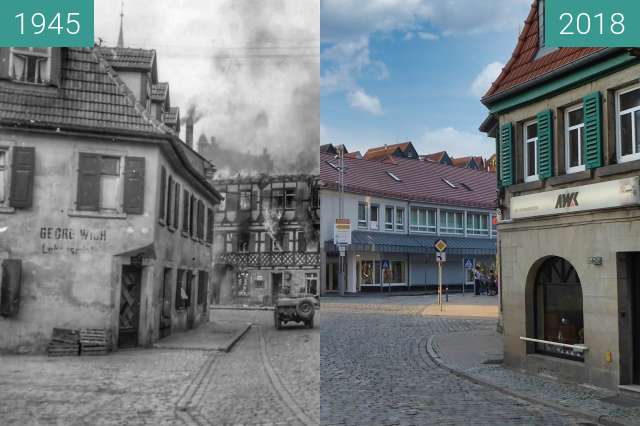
(465, 186)
(394, 177)
(333, 165)
(448, 182)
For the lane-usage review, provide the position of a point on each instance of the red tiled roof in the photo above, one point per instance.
(461, 162)
(126, 57)
(89, 96)
(436, 157)
(382, 152)
(524, 66)
(421, 181)
(171, 117)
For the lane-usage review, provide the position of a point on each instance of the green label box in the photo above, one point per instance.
(46, 23)
(592, 23)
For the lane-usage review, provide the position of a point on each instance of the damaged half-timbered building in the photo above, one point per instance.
(266, 239)
(106, 216)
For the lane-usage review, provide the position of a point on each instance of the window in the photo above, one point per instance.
(451, 222)
(290, 198)
(186, 197)
(628, 124)
(31, 65)
(574, 139)
(245, 200)
(223, 203)
(477, 224)
(558, 309)
(302, 242)
(311, 280)
(243, 242)
(396, 275)
(181, 295)
(229, 246)
(362, 215)
(203, 281)
(277, 198)
(423, 220)
(399, 219)
(541, 25)
(99, 184)
(3, 176)
(448, 182)
(394, 177)
(530, 151)
(369, 272)
(388, 218)
(374, 216)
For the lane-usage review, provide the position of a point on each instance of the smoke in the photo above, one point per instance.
(262, 113)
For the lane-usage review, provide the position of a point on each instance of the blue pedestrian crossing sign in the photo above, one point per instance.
(385, 264)
(468, 263)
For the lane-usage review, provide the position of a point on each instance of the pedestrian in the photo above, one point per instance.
(477, 275)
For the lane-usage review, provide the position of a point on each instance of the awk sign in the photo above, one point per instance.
(604, 195)
(567, 200)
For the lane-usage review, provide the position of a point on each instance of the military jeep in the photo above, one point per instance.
(294, 309)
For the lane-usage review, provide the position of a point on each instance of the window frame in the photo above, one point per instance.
(240, 198)
(364, 224)
(386, 218)
(400, 219)
(375, 227)
(24, 51)
(567, 140)
(636, 155)
(449, 230)
(525, 153)
(479, 231)
(425, 228)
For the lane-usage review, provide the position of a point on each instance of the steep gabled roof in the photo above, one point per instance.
(525, 63)
(126, 57)
(160, 92)
(419, 181)
(382, 152)
(464, 162)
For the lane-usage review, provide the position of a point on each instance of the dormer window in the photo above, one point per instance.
(31, 65)
(541, 40)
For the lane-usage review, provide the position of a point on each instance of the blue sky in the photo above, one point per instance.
(397, 70)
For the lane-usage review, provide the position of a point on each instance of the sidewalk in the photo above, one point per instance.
(465, 306)
(482, 364)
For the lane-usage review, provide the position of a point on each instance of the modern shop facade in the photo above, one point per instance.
(569, 236)
(401, 232)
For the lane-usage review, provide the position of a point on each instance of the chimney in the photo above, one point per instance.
(189, 135)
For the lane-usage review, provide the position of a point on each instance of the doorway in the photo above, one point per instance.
(629, 317)
(276, 285)
(165, 313)
(129, 306)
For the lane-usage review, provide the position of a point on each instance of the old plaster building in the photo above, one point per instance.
(566, 122)
(398, 208)
(266, 238)
(105, 215)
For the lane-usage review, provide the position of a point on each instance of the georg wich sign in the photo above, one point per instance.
(615, 193)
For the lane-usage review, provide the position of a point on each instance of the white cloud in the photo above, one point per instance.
(360, 100)
(456, 142)
(487, 76)
(428, 36)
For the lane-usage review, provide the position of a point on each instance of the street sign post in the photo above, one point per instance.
(342, 238)
(441, 257)
(467, 264)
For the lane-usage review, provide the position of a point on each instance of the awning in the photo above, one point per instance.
(401, 243)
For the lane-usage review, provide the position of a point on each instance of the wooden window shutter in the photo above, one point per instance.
(55, 78)
(24, 164)
(88, 182)
(134, 172)
(170, 195)
(5, 56)
(210, 219)
(176, 207)
(192, 209)
(545, 144)
(185, 211)
(162, 209)
(506, 155)
(593, 130)
(200, 220)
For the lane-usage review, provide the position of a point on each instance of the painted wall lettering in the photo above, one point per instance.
(70, 241)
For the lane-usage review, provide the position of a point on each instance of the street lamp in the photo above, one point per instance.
(341, 172)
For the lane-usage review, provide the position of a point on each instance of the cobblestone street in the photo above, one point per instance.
(375, 370)
(270, 377)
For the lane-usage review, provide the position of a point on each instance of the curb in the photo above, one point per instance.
(239, 335)
(435, 357)
(241, 308)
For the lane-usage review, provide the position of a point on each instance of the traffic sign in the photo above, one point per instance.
(468, 263)
(440, 246)
(385, 264)
(342, 232)
(441, 257)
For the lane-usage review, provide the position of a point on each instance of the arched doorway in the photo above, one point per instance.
(558, 313)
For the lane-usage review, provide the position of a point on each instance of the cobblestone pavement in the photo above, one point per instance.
(375, 371)
(270, 377)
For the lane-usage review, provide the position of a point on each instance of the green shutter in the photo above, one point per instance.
(545, 144)
(506, 155)
(593, 130)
